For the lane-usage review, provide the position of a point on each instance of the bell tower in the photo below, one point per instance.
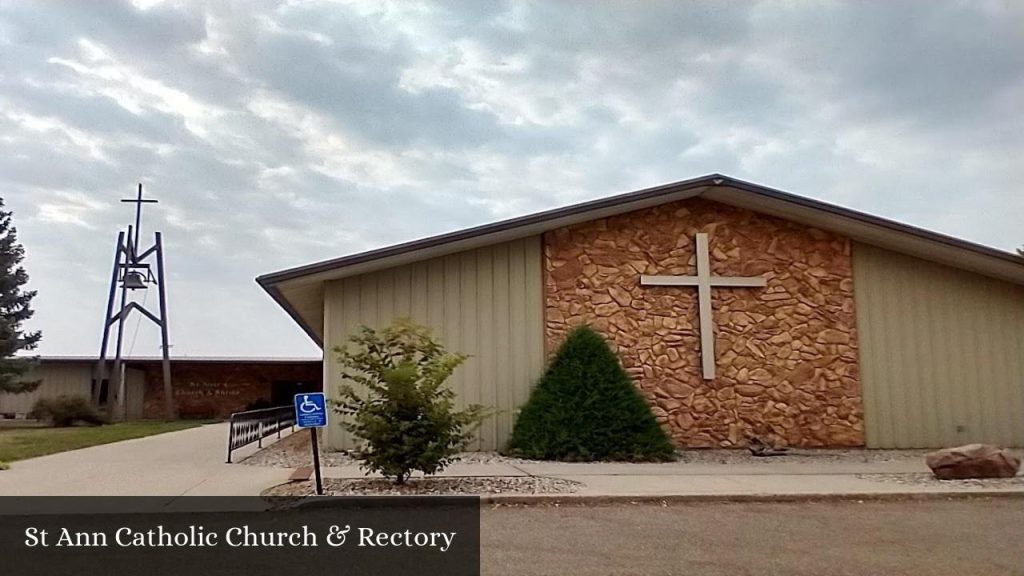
(134, 269)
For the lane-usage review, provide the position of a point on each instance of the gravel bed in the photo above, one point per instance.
(290, 452)
(293, 451)
(816, 455)
(492, 458)
(927, 479)
(434, 486)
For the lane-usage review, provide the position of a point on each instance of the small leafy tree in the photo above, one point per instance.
(14, 309)
(585, 407)
(396, 401)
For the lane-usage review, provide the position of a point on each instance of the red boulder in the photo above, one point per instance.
(973, 461)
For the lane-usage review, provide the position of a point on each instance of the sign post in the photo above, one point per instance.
(311, 412)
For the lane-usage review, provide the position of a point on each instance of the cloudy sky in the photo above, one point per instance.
(276, 134)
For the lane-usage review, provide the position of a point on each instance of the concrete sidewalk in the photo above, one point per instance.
(184, 463)
(678, 480)
(191, 463)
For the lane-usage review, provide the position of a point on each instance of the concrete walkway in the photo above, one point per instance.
(686, 480)
(191, 463)
(184, 463)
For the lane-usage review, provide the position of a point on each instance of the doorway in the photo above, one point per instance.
(282, 392)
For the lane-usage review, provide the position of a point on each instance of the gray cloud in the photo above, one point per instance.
(279, 133)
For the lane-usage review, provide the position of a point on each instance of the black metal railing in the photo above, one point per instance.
(255, 425)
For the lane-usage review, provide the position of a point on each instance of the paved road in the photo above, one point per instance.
(188, 462)
(982, 537)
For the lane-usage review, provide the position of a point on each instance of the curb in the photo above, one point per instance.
(606, 499)
(568, 500)
(571, 499)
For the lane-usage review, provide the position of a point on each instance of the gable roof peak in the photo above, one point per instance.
(305, 282)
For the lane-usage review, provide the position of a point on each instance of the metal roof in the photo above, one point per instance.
(190, 359)
(301, 284)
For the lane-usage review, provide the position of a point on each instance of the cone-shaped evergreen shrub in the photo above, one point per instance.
(586, 407)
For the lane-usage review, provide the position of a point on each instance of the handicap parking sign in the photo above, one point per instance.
(310, 410)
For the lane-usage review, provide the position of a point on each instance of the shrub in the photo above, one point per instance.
(585, 407)
(66, 411)
(402, 410)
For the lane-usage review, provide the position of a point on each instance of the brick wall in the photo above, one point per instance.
(786, 354)
(216, 389)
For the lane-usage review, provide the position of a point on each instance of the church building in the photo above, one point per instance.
(740, 311)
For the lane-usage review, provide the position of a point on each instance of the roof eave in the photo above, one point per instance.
(275, 293)
(634, 197)
(892, 225)
(716, 187)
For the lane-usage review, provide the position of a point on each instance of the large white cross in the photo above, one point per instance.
(704, 281)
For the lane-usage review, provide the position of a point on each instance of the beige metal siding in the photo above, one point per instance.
(73, 379)
(942, 353)
(135, 392)
(485, 302)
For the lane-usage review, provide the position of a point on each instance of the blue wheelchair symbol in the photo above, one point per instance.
(310, 410)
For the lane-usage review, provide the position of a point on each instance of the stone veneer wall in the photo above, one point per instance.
(786, 354)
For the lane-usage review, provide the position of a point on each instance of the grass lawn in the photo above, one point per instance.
(22, 443)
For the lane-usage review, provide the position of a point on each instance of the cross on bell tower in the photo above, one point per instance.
(138, 201)
(132, 271)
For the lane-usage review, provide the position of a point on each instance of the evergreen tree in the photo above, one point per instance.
(14, 309)
(585, 407)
